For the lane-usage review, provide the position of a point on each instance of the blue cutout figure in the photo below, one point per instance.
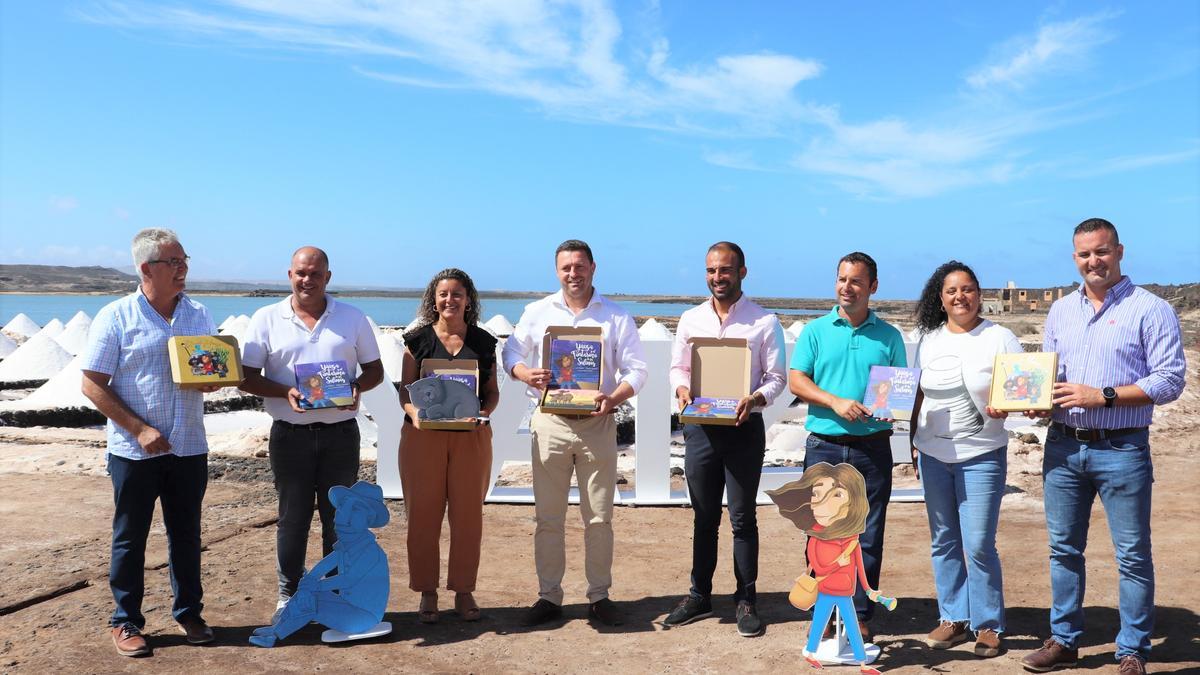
(353, 600)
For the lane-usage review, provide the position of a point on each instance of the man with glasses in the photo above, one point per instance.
(157, 450)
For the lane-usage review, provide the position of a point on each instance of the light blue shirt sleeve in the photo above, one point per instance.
(103, 351)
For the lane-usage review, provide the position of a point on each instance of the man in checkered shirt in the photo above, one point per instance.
(157, 450)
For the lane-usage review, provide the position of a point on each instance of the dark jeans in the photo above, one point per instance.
(307, 461)
(179, 483)
(873, 459)
(719, 459)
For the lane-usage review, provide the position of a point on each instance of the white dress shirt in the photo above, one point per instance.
(763, 335)
(623, 360)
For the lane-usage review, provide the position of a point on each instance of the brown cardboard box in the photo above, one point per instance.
(579, 401)
(458, 369)
(720, 371)
(204, 361)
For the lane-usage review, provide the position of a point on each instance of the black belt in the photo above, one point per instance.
(1092, 435)
(316, 425)
(851, 439)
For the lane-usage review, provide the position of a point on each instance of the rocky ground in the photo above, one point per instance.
(55, 513)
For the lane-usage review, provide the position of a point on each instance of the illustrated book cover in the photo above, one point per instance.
(574, 357)
(1023, 381)
(707, 410)
(324, 384)
(204, 361)
(448, 407)
(892, 392)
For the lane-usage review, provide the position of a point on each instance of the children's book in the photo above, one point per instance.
(574, 357)
(707, 410)
(574, 364)
(892, 392)
(204, 361)
(324, 384)
(1023, 381)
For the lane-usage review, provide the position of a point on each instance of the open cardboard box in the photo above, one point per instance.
(581, 401)
(204, 361)
(720, 378)
(463, 370)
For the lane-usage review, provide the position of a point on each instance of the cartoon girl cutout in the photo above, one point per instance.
(316, 392)
(830, 504)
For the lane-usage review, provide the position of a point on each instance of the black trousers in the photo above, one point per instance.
(719, 459)
(307, 461)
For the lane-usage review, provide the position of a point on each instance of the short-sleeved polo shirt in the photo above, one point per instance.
(128, 342)
(277, 340)
(838, 357)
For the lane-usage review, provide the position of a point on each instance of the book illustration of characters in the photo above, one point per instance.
(209, 362)
(1023, 384)
(325, 384)
(352, 601)
(829, 503)
(880, 407)
(574, 364)
(703, 406)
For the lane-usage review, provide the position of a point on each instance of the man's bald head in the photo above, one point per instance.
(311, 254)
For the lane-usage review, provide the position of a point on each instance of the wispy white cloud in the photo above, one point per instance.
(63, 204)
(1054, 47)
(1135, 162)
(575, 60)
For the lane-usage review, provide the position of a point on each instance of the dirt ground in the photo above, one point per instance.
(55, 515)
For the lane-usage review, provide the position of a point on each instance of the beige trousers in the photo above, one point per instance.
(587, 446)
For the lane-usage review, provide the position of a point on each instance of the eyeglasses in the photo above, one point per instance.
(174, 262)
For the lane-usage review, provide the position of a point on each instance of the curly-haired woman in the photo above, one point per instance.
(440, 469)
(960, 449)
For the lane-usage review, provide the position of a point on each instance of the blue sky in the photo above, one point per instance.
(406, 137)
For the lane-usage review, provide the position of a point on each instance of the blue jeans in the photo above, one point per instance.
(1120, 471)
(962, 501)
(179, 483)
(873, 459)
(821, 613)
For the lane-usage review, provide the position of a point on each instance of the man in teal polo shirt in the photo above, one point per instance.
(829, 371)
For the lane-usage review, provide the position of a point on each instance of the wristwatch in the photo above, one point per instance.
(1110, 396)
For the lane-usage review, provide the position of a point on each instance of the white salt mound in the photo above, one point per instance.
(391, 352)
(74, 338)
(225, 324)
(499, 326)
(52, 329)
(795, 328)
(80, 317)
(41, 358)
(61, 391)
(7, 346)
(22, 325)
(653, 330)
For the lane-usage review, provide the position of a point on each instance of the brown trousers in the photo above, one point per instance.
(439, 468)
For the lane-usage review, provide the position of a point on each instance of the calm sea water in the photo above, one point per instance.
(385, 311)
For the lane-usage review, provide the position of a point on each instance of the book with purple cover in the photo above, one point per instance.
(708, 410)
(324, 384)
(892, 392)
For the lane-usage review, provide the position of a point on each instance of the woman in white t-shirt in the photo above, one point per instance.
(960, 448)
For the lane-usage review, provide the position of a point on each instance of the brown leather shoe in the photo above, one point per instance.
(197, 632)
(129, 640)
(947, 634)
(1050, 656)
(1132, 665)
(987, 643)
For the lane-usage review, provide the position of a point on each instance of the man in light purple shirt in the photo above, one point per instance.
(727, 458)
(1120, 353)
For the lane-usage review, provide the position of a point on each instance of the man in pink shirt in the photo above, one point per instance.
(727, 458)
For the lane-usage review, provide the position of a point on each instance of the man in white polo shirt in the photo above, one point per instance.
(311, 450)
(585, 444)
